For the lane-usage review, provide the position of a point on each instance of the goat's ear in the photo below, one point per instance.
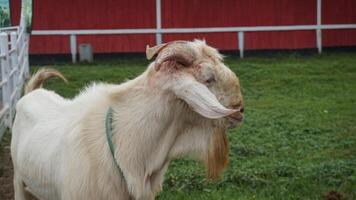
(152, 51)
(199, 98)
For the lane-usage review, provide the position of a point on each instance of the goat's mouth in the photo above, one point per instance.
(234, 119)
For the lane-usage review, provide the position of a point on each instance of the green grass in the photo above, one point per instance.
(298, 140)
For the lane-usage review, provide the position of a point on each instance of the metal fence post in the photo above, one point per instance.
(13, 75)
(73, 47)
(158, 22)
(27, 60)
(14, 54)
(241, 43)
(20, 44)
(15, 68)
(4, 49)
(319, 42)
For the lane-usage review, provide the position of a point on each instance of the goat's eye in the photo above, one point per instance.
(210, 80)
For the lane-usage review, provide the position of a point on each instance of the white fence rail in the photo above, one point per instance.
(14, 69)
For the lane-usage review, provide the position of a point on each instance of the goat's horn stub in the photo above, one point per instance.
(149, 53)
(152, 51)
(180, 52)
(179, 59)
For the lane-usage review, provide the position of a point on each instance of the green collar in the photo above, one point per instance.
(109, 134)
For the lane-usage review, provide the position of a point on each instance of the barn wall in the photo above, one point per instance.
(111, 14)
(339, 12)
(93, 14)
(176, 14)
(201, 13)
(15, 6)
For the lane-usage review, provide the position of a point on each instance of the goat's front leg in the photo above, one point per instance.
(157, 179)
(19, 187)
(140, 188)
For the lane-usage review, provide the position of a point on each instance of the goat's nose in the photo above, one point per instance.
(242, 109)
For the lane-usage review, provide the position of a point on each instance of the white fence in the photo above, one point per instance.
(14, 69)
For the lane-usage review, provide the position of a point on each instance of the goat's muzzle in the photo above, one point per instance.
(235, 118)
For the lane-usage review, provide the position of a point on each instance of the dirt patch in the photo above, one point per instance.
(334, 195)
(6, 170)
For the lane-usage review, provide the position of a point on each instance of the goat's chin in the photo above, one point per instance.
(217, 155)
(233, 124)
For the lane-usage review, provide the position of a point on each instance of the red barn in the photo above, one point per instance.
(110, 25)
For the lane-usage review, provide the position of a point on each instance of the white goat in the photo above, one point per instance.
(181, 105)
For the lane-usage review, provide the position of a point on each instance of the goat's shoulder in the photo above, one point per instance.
(94, 93)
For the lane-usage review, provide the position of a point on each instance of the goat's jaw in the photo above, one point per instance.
(234, 119)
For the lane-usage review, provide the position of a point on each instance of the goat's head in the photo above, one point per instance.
(194, 72)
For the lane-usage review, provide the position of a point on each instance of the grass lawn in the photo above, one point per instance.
(298, 140)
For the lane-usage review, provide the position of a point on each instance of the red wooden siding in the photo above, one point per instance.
(228, 13)
(100, 43)
(339, 12)
(15, 6)
(121, 43)
(280, 40)
(203, 13)
(111, 14)
(332, 38)
(225, 41)
(93, 14)
(49, 44)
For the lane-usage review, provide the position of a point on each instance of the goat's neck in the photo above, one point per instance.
(146, 123)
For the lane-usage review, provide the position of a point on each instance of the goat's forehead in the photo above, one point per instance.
(206, 51)
(227, 75)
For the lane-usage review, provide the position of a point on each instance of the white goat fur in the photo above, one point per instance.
(59, 147)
